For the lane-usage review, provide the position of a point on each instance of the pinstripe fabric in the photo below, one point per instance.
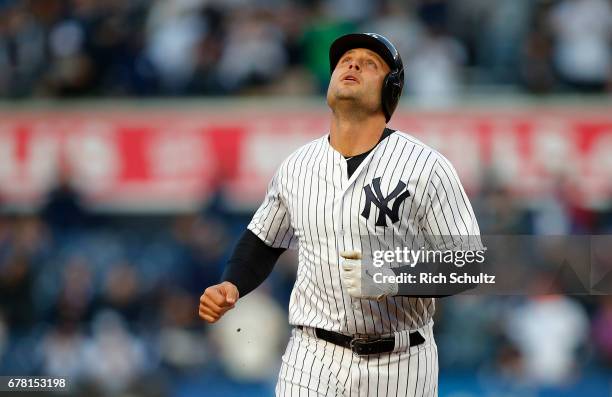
(313, 206)
(315, 368)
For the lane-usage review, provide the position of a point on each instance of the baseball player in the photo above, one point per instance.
(360, 181)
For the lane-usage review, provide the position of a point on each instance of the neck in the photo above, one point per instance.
(355, 135)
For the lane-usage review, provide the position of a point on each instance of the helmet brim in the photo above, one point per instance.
(359, 40)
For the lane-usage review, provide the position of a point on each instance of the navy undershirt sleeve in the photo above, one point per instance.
(251, 263)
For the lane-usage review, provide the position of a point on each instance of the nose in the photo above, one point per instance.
(354, 65)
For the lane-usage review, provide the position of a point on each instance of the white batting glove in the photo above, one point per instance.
(360, 285)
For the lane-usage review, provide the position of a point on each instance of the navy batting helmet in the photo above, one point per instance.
(394, 81)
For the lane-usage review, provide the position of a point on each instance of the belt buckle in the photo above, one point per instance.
(356, 345)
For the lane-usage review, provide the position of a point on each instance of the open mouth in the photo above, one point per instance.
(350, 78)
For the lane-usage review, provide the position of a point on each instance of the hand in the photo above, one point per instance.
(361, 287)
(216, 300)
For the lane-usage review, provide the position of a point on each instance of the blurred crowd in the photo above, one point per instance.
(111, 302)
(68, 48)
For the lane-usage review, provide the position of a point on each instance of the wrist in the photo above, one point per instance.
(229, 285)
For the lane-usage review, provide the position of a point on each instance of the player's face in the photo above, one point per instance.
(358, 77)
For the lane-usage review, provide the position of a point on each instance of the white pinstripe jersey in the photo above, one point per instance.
(312, 205)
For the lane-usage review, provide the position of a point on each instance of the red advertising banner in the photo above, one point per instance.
(142, 160)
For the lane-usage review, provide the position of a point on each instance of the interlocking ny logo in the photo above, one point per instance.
(382, 202)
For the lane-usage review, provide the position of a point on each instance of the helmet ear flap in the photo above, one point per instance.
(391, 92)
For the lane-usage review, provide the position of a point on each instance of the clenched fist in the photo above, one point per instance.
(216, 300)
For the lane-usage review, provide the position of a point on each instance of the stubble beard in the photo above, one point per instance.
(348, 101)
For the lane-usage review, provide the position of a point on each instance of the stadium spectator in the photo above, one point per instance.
(535, 59)
(547, 329)
(254, 52)
(433, 69)
(582, 31)
(174, 29)
(63, 208)
(113, 357)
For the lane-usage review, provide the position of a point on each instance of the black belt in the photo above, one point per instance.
(365, 346)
